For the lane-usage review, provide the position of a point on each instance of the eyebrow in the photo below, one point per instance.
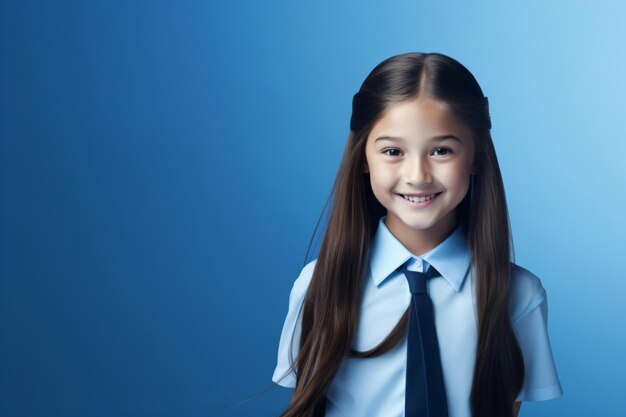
(434, 138)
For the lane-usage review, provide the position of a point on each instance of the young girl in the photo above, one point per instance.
(419, 186)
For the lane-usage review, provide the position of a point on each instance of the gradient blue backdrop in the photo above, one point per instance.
(163, 165)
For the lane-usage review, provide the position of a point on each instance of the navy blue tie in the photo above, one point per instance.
(425, 390)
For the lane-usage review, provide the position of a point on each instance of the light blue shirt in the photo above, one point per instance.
(375, 387)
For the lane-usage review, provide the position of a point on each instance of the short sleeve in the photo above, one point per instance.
(288, 349)
(541, 381)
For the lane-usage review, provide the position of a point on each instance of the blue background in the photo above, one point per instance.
(163, 166)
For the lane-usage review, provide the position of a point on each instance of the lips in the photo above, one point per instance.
(420, 199)
(420, 204)
(419, 196)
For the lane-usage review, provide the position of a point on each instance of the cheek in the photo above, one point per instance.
(460, 174)
(462, 185)
(381, 178)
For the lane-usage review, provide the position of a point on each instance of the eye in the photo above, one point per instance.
(392, 150)
(445, 151)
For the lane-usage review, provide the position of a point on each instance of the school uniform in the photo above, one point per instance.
(375, 387)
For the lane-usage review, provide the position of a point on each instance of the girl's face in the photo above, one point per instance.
(419, 148)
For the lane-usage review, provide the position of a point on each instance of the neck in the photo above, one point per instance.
(421, 241)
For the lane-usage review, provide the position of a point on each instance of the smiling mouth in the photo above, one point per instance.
(419, 199)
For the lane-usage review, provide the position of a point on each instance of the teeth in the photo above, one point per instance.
(418, 199)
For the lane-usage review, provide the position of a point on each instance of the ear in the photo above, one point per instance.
(366, 168)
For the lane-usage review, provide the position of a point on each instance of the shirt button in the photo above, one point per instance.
(418, 263)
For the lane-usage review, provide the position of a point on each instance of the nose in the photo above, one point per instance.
(417, 171)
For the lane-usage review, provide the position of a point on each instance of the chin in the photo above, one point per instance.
(417, 225)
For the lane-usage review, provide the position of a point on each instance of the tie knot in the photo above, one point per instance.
(417, 280)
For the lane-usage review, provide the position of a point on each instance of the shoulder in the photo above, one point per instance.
(290, 336)
(301, 284)
(529, 318)
(526, 292)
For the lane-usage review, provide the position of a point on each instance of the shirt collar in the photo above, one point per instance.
(451, 257)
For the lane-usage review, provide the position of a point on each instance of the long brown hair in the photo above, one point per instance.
(330, 310)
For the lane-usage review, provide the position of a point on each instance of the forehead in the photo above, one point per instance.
(419, 118)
